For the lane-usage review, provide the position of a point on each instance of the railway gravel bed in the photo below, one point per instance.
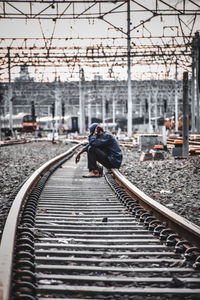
(85, 244)
(17, 163)
(172, 182)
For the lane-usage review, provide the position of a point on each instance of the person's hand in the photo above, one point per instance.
(77, 158)
(98, 130)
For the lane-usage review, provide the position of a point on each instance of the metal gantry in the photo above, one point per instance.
(135, 34)
(67, 9)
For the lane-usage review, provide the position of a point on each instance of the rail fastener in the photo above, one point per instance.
(185, 229)
(9, 232)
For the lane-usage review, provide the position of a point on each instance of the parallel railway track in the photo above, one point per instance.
(193, 143)
(80, 238)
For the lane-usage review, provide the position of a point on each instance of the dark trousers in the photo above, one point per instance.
(97, 155)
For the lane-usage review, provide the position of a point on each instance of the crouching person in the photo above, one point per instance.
(102, 148)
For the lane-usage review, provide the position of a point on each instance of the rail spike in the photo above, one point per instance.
(181, 246)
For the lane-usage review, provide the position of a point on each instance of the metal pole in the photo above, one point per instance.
(80, 107)
(10, 95)
(61, 121)
(185, 116)
(89, 110)
(81, 103)
(59, 107)
(0, 118)
(56, 110)
(149, 111)
(96, 109)
(193, 93)
(129, 123)
(156, 108)
(10, 108)
(113, 112)
(103, 109)
(197, 79)
(176, 101)
(53, 121)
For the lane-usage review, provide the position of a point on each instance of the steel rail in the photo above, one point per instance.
(185, 228)
(9, 232)
(74, 235)
(75, 243)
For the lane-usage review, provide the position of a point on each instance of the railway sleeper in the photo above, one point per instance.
(92, 265)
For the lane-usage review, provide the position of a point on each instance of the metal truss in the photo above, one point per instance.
(107, 53)
(65, 9)
(178, 21)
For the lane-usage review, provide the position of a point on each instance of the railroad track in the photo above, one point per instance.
(192, 141)
(78, 238)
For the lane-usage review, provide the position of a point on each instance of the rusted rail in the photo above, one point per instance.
(9, 233)
(81, 240)
(175, 222)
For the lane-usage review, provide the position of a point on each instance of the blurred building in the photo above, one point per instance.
(99, 95)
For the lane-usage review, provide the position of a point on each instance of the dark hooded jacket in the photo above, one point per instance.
(109, 145)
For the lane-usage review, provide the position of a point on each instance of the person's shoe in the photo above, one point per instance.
(94, 173)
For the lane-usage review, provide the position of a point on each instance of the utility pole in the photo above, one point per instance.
(10, 95)
(53, 121)
(59, 86)
(185, 116)
(89, 109)
(103, 109)
(155, 93)
(1, 97)
(149, 111)
(96, 109)
(113, 107)
(58, 123)
(198, 79)
(129, 121)
(193, 92)
(81, 103)
(176, 100)
(196, 83)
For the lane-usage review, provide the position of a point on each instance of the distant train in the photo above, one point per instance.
(20, 123)
(29, 123)
(26, 123)
(68, 123)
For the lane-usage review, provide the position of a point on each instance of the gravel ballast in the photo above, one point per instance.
(17, 163)
(175, 183)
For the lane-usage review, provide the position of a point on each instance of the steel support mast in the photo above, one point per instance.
(185, 116)
(129, 116)
(81, 103)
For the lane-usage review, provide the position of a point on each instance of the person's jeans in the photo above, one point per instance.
(97, 155)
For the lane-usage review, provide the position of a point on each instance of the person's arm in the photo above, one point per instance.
(78, 155)
(100, 141)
